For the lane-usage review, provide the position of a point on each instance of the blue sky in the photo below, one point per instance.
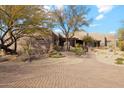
(106, 19)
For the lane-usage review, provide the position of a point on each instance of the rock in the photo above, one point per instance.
(110, 50)
(3, 59)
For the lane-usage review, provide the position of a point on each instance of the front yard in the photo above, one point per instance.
(109, 56)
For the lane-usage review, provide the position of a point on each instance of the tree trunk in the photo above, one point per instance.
(15, 46)
(6, 48)
(67, 44)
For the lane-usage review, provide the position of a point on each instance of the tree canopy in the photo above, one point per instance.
(88, 39)
(17, 21)
(70, 19)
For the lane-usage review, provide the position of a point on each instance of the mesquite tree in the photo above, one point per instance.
(69, 19)
(17, 21)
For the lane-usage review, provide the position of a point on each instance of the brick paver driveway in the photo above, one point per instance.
(70, 71)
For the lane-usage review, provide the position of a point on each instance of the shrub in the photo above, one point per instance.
(119, 61)
(78, 50)
(121, 45)
(56, 47)
(88, 39)
(55, 54)
(77, 45)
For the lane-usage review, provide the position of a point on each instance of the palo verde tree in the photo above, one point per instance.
(17, 21)
(69, 19)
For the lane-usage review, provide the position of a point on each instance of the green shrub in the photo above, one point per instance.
(88, 39)
(55, 54)
(121, 45)
(78, 50)
(119, 61)
(77, 45)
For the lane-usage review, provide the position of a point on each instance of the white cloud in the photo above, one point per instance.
(104, 8)
(94, 25)
(112, 32)
(99, 17)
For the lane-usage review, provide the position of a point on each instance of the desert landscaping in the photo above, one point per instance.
(48, 47)
(108, 56)
(69, 71)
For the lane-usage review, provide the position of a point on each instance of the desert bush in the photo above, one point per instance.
(55, 54)
(56, 47)
(121, 45)
(78, 50)
(119, 60)
(77, 45)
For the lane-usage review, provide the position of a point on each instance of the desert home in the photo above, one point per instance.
(60, 40)
(98, 39)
